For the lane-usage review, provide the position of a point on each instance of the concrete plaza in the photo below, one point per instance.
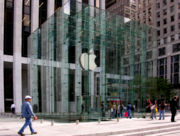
(125, 127)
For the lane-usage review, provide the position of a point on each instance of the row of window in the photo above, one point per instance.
(164, 2)
(165, 40)
(162, 51)
(162, 69)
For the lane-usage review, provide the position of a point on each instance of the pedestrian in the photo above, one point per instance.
(114, 110)
(161, 109)
(120, 109)
(13, 108)
(148, 107)
(153, 110)
(129, 107)
(173, 107)
(102, 109)
(27, 113)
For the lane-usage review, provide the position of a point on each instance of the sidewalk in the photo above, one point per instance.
(135, 126)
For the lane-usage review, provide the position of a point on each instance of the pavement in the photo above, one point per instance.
(123, 127)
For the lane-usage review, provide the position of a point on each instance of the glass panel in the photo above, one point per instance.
(86, 61)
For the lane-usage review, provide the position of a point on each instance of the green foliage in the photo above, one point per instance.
(159, 88)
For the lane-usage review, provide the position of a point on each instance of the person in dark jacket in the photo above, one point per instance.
(173, 107)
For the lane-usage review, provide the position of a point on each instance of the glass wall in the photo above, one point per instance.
(84, 60)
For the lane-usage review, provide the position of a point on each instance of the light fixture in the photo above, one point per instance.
(27, 2)
(41, 4)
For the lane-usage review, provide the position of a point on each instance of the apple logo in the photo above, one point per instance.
(88, 57)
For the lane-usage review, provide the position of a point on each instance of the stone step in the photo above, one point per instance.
(141, 131)
(153, 132)
(170, 133)
(9, 115)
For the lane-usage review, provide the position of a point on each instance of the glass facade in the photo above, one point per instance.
(84, 59)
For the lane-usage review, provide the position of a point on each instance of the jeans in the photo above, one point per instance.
(28, 122)
(129, 114)
(114, 113)
(121, 114)
(153, 113)
(161, 112)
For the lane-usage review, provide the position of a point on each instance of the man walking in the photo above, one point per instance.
(27, 113)
(173, 106)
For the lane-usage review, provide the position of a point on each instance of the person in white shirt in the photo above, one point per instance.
(13, 108)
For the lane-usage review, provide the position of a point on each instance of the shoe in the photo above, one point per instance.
(21, 134)
(33, 133)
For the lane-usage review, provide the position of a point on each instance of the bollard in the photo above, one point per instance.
(41, 121)
(99, 121)
(117, 119)
(52, 122)
(77, 122)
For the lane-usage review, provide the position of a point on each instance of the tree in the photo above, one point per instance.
(159, 88)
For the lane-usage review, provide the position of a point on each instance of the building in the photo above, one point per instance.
(164, 15)
(18, 19)
(167, 20)
(139, 10)
(43, 72)
(62, 57)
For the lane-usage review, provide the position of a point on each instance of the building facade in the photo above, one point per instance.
(19, 18)
(164, 15)
(22, 74)
(167, 20)
(63, 81)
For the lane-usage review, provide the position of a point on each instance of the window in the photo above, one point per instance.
(172, 0)
(164, 11)
(96, 3)
(158, 14)
(172, 28)
(158, 42)
(162, 68)
(165, 21)
(58, 3)
(179, 25)
(165, 30)
(126, 61)
(172, 38)
(171, 8)
(158, 23)
(176, 47)
(149, 55)
(179, 15)
(172, 18)
(42, 11)
(26, 25)
(162, 51)
(157, 5)
(165, 40)
(8, 27)
(164, 2)
(179, 35)
(158, 32)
